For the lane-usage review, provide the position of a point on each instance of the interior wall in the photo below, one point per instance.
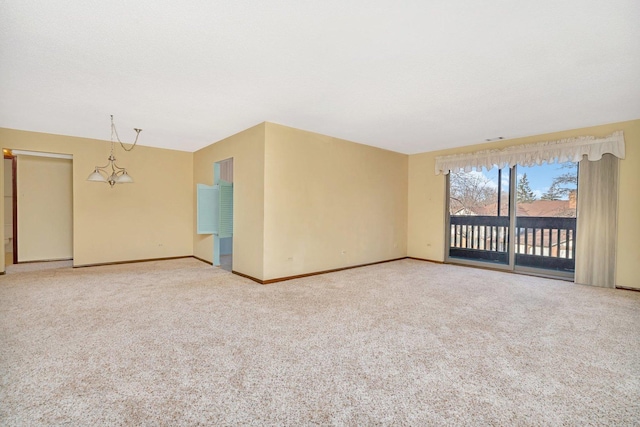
(45, 208)
(330, 203)
(151, 218)
(426, 235)
(247, 150)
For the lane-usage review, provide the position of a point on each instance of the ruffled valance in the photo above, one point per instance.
(564, 150)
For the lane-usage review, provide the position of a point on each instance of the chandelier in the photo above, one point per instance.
(111, 173)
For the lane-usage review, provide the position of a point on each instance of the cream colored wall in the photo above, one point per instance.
(425, 236)
(427, 198)
(152, 218)
(45, 208)
(247, 150)
(628, 250)
(330, 203)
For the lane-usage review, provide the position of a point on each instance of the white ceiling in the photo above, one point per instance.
(409, 76)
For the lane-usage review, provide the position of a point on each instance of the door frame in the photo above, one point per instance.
(14, 202)
(511, 265)
(14, 155)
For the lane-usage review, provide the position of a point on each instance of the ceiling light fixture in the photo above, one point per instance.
(112, 173)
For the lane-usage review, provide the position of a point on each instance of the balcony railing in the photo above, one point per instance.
(480, 237)
(540, 242)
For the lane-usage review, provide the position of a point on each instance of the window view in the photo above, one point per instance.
(545, 217)
(546, 206)
(547, 190)
(479, 214)
(484, 192)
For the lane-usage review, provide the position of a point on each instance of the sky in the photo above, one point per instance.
(539, 177)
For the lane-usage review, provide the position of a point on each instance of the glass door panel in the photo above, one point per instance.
(546, 206)
(479, 215)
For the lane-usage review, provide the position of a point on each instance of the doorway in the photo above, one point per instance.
(223, 241)
(40, 187)
(545, 218)
(519, 218)
(10, 251)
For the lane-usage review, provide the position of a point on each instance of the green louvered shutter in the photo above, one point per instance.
(207, 211)
(226, 209)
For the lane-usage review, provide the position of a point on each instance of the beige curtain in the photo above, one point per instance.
(570, 149)
(596, 224)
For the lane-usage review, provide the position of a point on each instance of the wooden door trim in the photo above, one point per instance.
(14, 203)
(14, 185)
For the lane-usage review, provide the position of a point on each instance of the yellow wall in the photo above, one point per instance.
(427, 198)
(247, 150)
(330, 203)
(303, 202)
(45, 208)
(152, 218)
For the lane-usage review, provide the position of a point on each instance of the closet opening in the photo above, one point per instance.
(38, 193)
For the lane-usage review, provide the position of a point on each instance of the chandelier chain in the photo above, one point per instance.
(111, 173)
(114, 132)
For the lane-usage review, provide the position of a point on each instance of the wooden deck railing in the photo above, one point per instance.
(541, 242)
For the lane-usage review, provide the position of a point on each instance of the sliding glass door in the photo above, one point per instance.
(546, 207)
(520, 218)
(479, 215)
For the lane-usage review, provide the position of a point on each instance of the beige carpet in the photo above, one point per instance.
(402, 343)
(37, 266)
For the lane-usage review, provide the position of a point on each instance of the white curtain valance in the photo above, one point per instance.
(564, 150)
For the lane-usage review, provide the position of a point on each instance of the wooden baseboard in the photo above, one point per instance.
(100, 264)
(203, 260)
(42, 260)
(246, 276)
(624, 288)
(299, 276)
(424, 259)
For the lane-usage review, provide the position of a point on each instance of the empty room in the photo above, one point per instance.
(332, 213)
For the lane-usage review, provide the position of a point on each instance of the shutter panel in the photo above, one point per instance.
(207, 210)
(226, 209)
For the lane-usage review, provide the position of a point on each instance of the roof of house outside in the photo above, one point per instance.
(561, 208)
(544, 208)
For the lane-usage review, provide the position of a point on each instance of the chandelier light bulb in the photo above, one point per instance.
(111, 173)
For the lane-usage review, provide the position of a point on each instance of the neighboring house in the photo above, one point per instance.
(544, 242)
(549, 208)
(541, 208)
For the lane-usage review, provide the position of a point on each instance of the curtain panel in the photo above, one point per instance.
(597, 222)
(564, 150)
